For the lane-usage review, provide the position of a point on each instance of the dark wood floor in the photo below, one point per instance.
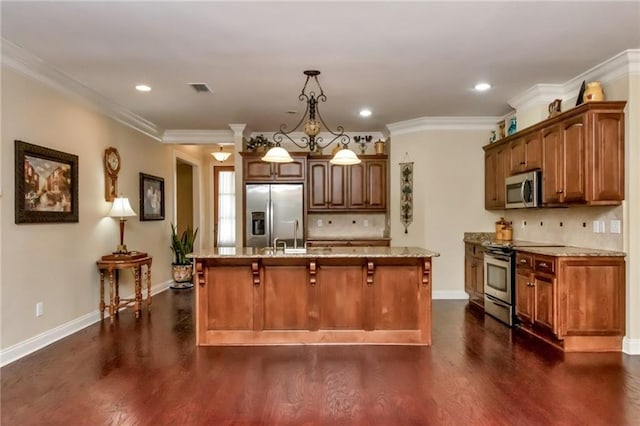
(149, 372)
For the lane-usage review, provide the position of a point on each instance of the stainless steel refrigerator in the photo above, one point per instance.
(273, 211)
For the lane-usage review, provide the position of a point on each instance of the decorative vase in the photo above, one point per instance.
(593, 92)
(182, 273)
(379, 146)
(512, 126)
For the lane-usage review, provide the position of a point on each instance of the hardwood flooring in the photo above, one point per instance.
(478, 371)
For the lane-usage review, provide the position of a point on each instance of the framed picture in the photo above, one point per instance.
(46, 184)
(151, 197)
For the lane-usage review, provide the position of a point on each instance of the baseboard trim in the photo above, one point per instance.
(631, 346)
(26, 347)
(449, 295)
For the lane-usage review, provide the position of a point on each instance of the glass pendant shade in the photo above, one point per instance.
(221, 155)
(345, 157)
(277, 154)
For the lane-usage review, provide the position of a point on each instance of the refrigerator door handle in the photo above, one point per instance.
(270, 213)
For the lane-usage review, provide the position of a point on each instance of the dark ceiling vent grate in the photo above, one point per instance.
(200, 87)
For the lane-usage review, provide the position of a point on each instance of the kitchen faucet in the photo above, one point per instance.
(275, 244)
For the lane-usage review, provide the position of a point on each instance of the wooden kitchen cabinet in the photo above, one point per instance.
(580, 153)
(495, 171)
(574, 303)
(474, 273)
(256, 170)
(361, 187)
(525, 154)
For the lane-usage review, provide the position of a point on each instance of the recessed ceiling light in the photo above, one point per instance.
(365, 112)
(143, 88)
(481, 87)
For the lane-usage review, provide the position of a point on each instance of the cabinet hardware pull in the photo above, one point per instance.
(543, 264)
(523, 260)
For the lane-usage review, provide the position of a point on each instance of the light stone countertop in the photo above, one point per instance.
(478, 237)
(570, 251)
(314, 252)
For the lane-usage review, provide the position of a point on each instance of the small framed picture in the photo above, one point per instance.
(46, 185)
(151, 197)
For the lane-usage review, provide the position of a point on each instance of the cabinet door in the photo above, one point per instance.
(532, 152)
(357, 186)
(490, 196)
(524, 305)
(544, 302)
(605, 165)
(318, 180)
(294, 171)
(376, 178)
(469, 276)
(552, 159)
(337, 186)
(256, 170)
(479, 278)
(517, 160)
(573, 163)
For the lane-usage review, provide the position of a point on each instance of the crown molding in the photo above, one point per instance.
(442, 123)
(540, 94)
(15, 57)
(198, 137)
(623, 64)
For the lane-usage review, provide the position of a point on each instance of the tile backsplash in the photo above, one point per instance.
(347, 225)
(568, 226)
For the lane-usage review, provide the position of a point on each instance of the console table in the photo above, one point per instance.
(111, 265)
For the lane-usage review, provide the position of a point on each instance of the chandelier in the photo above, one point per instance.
(313, 123)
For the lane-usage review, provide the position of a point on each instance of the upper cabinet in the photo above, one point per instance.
(580, 153)
(525, 154)
(256, 170)
(360, 187)
(495, 171)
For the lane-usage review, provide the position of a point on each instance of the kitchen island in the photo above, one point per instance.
(328, 295)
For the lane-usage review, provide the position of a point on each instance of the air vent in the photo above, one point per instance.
(200, 87)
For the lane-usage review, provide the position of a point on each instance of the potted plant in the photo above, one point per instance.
(259, 144)
(181, 266)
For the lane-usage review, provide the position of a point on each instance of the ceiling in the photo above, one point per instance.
(403, 60)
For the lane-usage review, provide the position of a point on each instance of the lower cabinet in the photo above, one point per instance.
(574, 303)
(313, 299)
(474, 273)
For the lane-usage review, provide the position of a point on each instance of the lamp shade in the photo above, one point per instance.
(221, 155)
(121, 208)
(345, 157)
(277, 154)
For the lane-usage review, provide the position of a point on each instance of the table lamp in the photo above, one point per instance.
(121, 208)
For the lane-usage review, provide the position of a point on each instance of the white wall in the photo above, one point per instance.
(55, 263)
(448, 188)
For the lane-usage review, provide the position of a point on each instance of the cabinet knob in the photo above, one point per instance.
(522, 163)
(559, 191)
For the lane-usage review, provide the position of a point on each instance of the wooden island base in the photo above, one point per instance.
(359, 297)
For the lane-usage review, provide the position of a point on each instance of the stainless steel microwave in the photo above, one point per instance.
(523, 190)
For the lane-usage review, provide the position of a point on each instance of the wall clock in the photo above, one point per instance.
(111, 168)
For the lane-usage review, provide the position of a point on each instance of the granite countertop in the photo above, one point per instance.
(478, 237)
(570, 251)
(314, 252)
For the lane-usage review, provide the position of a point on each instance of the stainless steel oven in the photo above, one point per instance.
(499, 282)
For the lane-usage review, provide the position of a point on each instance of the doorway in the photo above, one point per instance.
(184, 196)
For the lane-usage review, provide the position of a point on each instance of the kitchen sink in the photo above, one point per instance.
(295, 250)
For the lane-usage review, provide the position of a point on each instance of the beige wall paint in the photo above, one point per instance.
(448, 197)
(55, 263)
